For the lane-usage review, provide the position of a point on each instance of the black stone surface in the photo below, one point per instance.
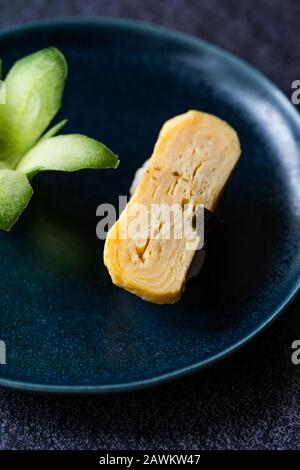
(250, 400)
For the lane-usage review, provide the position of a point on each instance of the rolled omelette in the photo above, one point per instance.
(192, 160)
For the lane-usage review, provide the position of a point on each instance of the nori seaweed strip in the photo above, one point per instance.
(211, 222)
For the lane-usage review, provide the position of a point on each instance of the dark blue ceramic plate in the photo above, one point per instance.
(67, 328)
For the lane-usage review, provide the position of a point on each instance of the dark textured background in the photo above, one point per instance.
(252, 399)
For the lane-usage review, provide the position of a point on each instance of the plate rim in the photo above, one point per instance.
(183, 38)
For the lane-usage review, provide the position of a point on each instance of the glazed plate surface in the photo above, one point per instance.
(67, 328)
